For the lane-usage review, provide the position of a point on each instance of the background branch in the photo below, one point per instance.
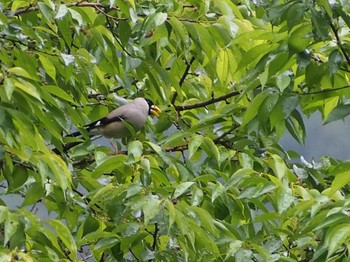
(339, 43)
(182, 80)
(208, 102)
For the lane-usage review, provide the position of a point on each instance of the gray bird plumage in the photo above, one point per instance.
(121, 122)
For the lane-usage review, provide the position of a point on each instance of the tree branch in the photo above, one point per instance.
(216, 140)
(339, 43)
(182, 80)
(206, 103)
(328, 90)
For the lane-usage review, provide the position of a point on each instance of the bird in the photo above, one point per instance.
(122, 122)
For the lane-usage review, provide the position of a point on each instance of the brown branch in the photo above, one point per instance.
(328, 90)
(176, 148)
(339, 43)
(116, 38)
(206, 103)
(95, 5)
(216, 140)
(25, 10)
(182, 80)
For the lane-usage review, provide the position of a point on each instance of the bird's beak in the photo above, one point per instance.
(155, 110)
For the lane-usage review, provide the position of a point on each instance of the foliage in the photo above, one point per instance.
(208, 181)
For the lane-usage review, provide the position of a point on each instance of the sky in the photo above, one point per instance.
(322, 140)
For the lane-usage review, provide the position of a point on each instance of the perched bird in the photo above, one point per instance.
(121, 122)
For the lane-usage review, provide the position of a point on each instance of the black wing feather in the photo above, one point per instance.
(105, 121)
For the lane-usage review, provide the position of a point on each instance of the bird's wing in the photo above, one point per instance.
(105, 121)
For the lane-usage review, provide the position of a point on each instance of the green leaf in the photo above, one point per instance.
(180, 189)
(341, 177)
(233, 247)
(326, 6)
(284, 199)
(222, 67)
(61, 12)
(300, 38)
(16, 180)
(9, 87)
(48, 66)
(211, 149)
(154, 21)
(171, 212)
(254, 106)
(283, 81)
(218, 190)
(28, 88)
(207, 221)
(34, 194)
(295, 126)
(65, 236)
(339, 112)
(11, 225)
(193, 145)
(150, 208)
(108, 165)
(46, 10)
(279, 167)
(180, 30)
(135, 149)
(60, 93)
(320, 24)
(183, 225)
(336, 237)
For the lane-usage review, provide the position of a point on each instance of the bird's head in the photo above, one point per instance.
(153, 109)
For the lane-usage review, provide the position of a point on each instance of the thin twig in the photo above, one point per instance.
(182, 80)
(216, 140)
(155, 234)
(339, 43)
(116, 38)
(206, 103)
(328, 90)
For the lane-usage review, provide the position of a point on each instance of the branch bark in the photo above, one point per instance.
(182, 80)
(213, 100)
(339, 43)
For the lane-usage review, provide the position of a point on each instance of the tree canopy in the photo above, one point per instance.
(208, 180)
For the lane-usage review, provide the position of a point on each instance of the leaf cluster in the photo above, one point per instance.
(208, 181)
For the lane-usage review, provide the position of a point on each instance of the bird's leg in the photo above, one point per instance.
(116, 147)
